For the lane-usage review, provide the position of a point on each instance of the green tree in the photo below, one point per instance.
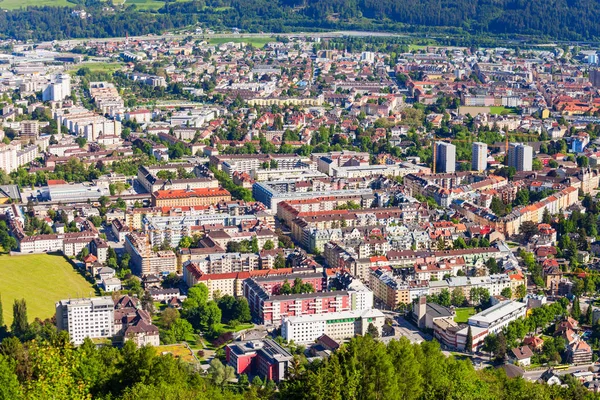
(372, 331)
(576, 309)
(589, 315)
(168, 317)
(521, 291)
(469, 342)
(9, 383)
(197, 295)
(507, 292)
(19, 325)
(457, 298)
(186, 242)
(269, 245)
(180, 329)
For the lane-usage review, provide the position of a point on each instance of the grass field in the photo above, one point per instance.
(178, 351)
(463, 314)
(14, 4)
(98, 67)
(254, 41)
(500, 109)
(41, 280)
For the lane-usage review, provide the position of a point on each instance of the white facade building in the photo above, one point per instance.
(479, 157)
(497, 317)
(82, 318)
(446, 157)
(337, 325)
(58, 89)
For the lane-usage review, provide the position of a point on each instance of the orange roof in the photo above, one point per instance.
(185, 193)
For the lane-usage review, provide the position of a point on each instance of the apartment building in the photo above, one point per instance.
(86, 318)
(144, 260)
(191, 197)
(337, 325)
(264, 358)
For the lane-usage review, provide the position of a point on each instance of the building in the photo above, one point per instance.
(337, 325)
(445, 157)
(579, 353)
(30, 129)
(595, 78)
(264, 358)
(479, 157)
(58, 89)
(498, 316)
(271, 309)
(522, 356)
(191, 197)
(145, 261)
(520, 156)
(83, 318)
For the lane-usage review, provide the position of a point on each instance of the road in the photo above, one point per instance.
(535, 375)
(169, 36)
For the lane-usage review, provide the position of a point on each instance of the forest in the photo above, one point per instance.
(564, 20)
(50, 367)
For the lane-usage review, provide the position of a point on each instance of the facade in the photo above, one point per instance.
(337, 325)
(479, 157)
(498, 316)
(520, 156)
(445, 157)
(84, 318)
(264, 358)
(145, 261)
(191, 197)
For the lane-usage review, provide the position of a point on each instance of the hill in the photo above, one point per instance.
(563, 20)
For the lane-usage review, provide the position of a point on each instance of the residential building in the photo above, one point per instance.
(445, 157)
(479, 157)
(191, 197)
(337, 325)
(86, 318)
(520, 156)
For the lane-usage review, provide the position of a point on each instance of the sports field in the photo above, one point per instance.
(253, 41)
(40, 279)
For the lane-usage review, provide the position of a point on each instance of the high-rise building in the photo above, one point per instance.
(82, 318)
(446, 157)
(595, 78)
(30, 129)
(479, 156)
(520, 156)
(8, 158)
(58, 89)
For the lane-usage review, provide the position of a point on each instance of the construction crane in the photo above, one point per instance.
(443, 140)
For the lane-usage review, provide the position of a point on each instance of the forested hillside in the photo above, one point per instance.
(560, 19)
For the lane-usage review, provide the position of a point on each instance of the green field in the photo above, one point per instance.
(463, 314)
(98, 67)
(254, 41)
(14, 4)
(41, 280)
(500, 109)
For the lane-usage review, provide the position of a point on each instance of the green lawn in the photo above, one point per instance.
(499, 109)
(104, 67)
(40, 279)
(253, 41)
(463, 314)
(14, 4)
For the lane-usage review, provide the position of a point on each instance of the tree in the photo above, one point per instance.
(589, 315)
(279, 261)
(507, 292)
(220, 374)
(168, 317)
(285, 288)
(9, 382)
(457, 298)
(197, 295)
(186, 242)
(469, 343)
(269, 245)
(372, 331)
(180, 329)
(521, 291)
(209, 314)
(242, 310)
(528, 229)
(19, 325)
(257, 382)
(576, 309)
(492, 266)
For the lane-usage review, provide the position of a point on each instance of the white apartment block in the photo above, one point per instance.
(8, 158)
(337, 325)
(83, 318)
(58, 89)
(446, 157)
(479, 157)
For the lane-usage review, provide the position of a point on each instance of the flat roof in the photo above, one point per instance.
(497, 312)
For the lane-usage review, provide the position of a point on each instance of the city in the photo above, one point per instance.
(259, 210)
